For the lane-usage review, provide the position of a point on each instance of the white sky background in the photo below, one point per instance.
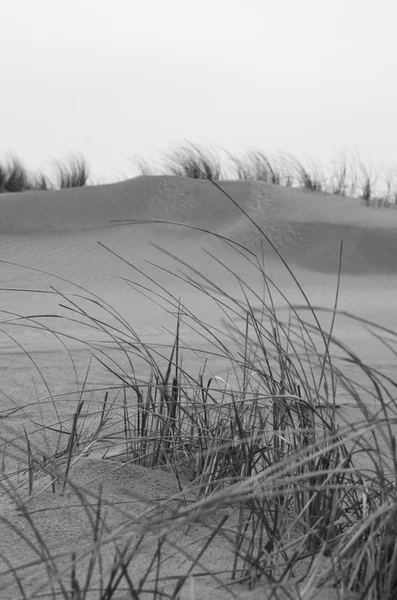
(116, 78)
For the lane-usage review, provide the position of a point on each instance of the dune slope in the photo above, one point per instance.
(306, 227)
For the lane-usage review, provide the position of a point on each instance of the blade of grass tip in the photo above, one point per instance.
(126, 419)
(171, 359)
(70, 449)
(103, 411)
(30, 463)
(175, 387)
(84, 383)
(245, 358)
(3, 459)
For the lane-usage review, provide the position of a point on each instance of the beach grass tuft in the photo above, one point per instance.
(15, 177)
(74, 174)
(194, 161)
(347, 175)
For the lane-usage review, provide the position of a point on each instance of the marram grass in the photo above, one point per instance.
(346, 175)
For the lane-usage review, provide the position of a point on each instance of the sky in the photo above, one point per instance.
(114, 79)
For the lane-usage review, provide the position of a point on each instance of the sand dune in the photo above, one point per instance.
(91, 207)
(306, 227)
(57, 232)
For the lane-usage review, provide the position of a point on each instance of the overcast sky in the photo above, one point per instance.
(116, 78)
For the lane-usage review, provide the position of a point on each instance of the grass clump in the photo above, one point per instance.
(309, 178)
(263, 458)
(75, 174)
(257, 166)
(190, 160)
(346, 176)
(14, 176)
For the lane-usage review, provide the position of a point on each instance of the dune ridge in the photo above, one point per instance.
(58, 232)
(306, 227)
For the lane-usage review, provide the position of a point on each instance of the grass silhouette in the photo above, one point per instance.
(14, 177)
(346, 176)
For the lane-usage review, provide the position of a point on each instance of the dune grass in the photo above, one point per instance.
(74, 174)
(263, 459)
(14, 176)
(190, 160)
(346, 176)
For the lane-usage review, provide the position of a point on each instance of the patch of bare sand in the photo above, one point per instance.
(57, 232)
(130, 497)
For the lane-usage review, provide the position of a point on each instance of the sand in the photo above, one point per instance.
(57, 232)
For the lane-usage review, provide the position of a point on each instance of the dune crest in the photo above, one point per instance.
(306, 227)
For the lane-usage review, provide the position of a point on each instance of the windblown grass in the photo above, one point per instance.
(346, 176)
(264, 459)
(14, 176)
(73, 175)
(191, 160)
(257, 166)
